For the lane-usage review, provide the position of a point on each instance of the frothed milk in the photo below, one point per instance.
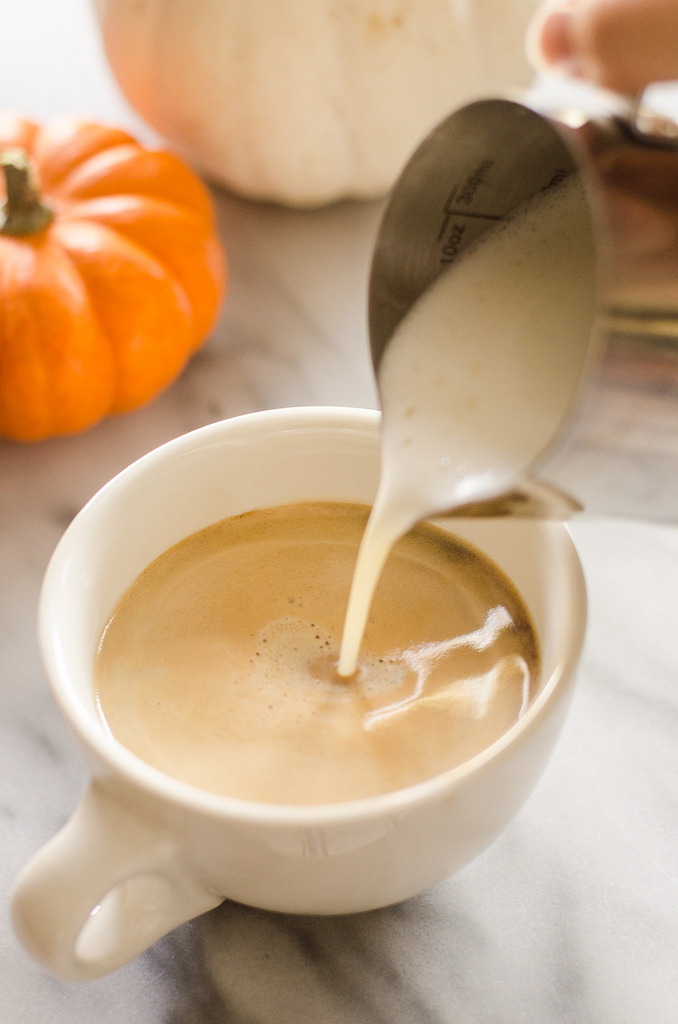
(478, 377)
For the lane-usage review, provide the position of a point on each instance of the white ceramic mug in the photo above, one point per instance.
(144, 852)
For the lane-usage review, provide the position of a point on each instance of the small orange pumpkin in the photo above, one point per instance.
(109, 279)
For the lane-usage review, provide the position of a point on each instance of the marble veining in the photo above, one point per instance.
(571, 917)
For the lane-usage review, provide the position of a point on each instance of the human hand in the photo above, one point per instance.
(622, 45)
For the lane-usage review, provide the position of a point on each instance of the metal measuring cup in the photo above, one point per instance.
(617, 451)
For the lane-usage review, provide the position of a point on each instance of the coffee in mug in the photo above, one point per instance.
(219, 664)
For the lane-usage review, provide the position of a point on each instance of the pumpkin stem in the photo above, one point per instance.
(24, 213)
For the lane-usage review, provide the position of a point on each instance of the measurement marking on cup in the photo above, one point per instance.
(452, 234)
(461, 197)
(471, 214)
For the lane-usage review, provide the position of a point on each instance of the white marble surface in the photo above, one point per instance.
(572, 915)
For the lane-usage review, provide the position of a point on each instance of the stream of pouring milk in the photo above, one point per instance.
(478, 377)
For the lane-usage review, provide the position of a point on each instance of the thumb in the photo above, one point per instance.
(617, 44)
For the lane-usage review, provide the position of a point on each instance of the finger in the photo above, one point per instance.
(618, 44)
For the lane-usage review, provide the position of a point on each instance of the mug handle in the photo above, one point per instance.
(103, 890)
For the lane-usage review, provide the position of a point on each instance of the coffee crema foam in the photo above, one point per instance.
(218, 666)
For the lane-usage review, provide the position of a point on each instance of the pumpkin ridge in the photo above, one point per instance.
(48, 387)
(147, 252)
(123, 209)
(150, 343)
(176, 237)
(96, 319)
(130, 170)
(61, 145)
(99, 330)
(17, 404)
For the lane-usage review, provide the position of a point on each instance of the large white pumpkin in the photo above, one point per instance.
(306, 101)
